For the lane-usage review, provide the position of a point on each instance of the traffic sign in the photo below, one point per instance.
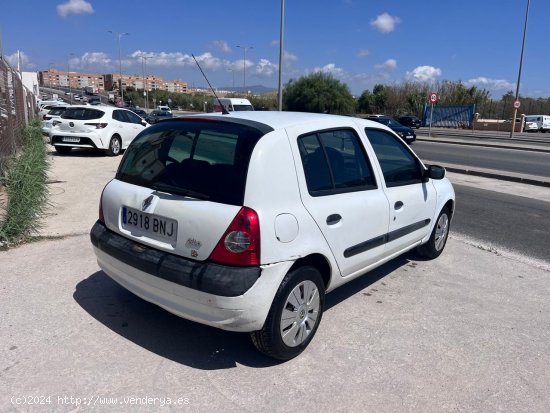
(517, 104)
(434, 97)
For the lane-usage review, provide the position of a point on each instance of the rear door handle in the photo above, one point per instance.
(333, 219)
(398, 205)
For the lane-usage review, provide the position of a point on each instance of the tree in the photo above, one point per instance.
(320, 93)
(379, 98)
(365, 102)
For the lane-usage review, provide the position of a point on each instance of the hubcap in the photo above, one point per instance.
(115, 146)
(441, 231)
(300, 313)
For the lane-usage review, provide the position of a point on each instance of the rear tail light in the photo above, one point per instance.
(47, 117)
(240, 244)
(44, 117)
(97, 125)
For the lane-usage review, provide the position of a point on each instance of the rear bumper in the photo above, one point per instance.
(230, 298)
(86, 140)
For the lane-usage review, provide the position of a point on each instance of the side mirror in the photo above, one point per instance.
(143, 122)
(434, 172)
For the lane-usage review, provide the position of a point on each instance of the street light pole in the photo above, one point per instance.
(245, 48)
(69, 78)
(145, 90)
(50, 76)
(119, 35)
(520, 66)
(281, 49)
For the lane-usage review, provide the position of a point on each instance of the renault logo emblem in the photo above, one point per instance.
(147, 203)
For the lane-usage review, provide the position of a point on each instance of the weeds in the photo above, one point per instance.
(25, 185)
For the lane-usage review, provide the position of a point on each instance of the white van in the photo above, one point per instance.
(537, 123)
(232, 104)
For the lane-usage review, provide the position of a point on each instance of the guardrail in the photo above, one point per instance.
(17, 108)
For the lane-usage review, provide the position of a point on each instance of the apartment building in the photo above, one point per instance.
(76, 80)
(55, 78)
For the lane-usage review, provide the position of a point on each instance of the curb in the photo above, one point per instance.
(486, 145)
(522, 179)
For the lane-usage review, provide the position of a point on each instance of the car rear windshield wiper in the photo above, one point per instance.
(160, 186)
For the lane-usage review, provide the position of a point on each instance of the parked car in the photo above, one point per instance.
(535, 123)
(164, 108)
(45, 108)
(158, 115)
(52, 116)
(139, 112)
(100, 127)
(94, 100)
(410, 121)
(406, 133)
(243, 222)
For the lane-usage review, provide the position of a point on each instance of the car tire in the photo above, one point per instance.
(115, 146)
(301, 298)
(63, 150)
(438, 238)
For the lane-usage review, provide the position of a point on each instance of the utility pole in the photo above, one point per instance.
(519, 73)
(281, 51)
(119, 35)
(145, 89)
(69, 78)
(245, 48)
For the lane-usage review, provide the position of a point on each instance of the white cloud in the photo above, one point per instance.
(265, 68)
(491, 84)
(220, 45)
(385, 23)
(74, 7)
(274, 43)
(25, 61)
(332, 69)
(289, 57)
(389, 64)
(363, 53)
(424, 73)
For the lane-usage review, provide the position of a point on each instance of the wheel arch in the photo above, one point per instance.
(317, 261)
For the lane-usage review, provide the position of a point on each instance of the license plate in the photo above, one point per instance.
(70, 139)
(150, 225)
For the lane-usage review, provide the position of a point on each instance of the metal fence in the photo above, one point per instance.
(456, 116)
(17, 108)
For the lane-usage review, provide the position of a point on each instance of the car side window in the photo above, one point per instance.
(398, 164)
(334, 161)
(132, 117)
(117, 115)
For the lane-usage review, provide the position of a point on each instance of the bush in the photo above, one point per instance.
(25, 184)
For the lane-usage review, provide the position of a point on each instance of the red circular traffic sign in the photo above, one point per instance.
(433, 97)
(517, 104)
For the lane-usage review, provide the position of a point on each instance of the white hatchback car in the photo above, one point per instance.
(244, 221)
(98, 127)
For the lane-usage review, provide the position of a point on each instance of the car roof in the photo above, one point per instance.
(281, 120)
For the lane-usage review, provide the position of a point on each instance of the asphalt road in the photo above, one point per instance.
(517, 223)
(508, 160)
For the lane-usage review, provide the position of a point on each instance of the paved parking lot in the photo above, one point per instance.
(466, 332)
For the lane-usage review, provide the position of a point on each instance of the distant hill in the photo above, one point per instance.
(255, 89)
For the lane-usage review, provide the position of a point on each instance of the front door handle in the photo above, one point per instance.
(398, 205)
(333, 219)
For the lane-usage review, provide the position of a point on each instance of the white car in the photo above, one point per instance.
(243, 222)
(97, 127)
(53, 115)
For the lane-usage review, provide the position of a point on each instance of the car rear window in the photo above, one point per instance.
(238, 108)
(196, 157)
(82, 114)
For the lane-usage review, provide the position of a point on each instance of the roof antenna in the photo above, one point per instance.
(224, 110)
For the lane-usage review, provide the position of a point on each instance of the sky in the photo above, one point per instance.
(360, 42)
